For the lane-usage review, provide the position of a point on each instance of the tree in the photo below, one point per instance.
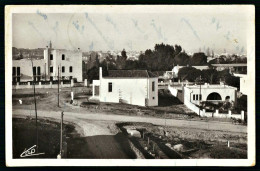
(93, 74)
(210, 75)
(189, 73)
(123, 54)
(182, 59)
(198, 59)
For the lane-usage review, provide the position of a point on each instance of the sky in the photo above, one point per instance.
(193, 28)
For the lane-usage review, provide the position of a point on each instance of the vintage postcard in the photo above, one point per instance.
(130, 85)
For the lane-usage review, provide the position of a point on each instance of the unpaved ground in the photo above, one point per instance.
(172, 142)
(99, 140)
(169, 107)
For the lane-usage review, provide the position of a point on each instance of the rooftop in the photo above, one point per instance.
(210, 86)
(130, 73)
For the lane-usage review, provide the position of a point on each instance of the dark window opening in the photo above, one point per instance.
(63, 69)
(197, 97)
(109, 87)
(70, 68)
(63, 57)
(194, 96)
(34, 70)
(51, 56)
(18, 71)
(18, 79)
(153, 98)
(38, 78)
(14, 70)
(38, 70)
(51, 78)
(153, 86)
(51, 69)
(200, 96)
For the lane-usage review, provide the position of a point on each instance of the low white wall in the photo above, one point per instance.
(216, 114)
(40, 85)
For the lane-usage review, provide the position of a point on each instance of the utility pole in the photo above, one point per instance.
(35, 108)
(61, 124)
(200, 95)
(58, 86)
(45, 72)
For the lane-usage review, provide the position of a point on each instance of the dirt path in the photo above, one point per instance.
(78, 118)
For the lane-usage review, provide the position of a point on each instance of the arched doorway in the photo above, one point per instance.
(214, 97)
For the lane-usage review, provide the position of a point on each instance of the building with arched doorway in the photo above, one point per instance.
(213, 93)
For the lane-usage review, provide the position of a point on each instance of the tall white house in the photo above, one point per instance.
(69, 63)
(136, 87)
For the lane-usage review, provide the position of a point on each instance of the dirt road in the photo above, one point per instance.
(78, 118)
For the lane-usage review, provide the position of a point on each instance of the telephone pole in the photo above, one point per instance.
(35, 108)
(58, 86)
(200, 95)
(61, 124)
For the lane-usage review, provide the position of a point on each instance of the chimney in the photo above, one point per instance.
(100, 73)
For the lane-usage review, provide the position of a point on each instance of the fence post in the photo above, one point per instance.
(72, 83)
(85, 82)
(242, 115)
(229, 113)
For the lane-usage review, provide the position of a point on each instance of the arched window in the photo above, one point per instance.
(214, 96)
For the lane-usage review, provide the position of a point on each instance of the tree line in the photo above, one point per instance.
(162, 58)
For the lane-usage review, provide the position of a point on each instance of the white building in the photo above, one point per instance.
(69, 63)
(136, 87)
(213, 93)
(244, 83)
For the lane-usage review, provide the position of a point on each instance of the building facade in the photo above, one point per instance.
(212, 93)
(136, 87)
(65, 63)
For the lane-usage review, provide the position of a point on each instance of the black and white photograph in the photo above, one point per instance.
(166, 85)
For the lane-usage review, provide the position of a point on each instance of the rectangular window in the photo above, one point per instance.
(51, 69)
(197, 97)
(63, 69)
(14, 71)
(51, 78)
(109, 87)
(153, 86)
(194, 96)
(200, 97)
(70, 68)
(18, 71)
(34, 70)
(38, 70)
(51, 56)
(63, 57)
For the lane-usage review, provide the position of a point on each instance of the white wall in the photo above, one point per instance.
(72, 58)
(205, 91)
(153, 95)
(131, 91)
(244, 83)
